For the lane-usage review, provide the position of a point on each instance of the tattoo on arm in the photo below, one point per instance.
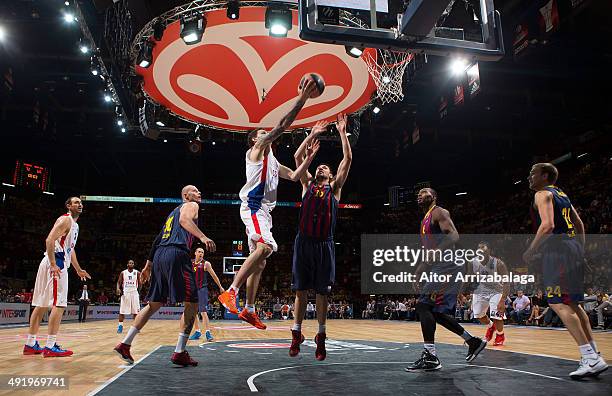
(284, 123)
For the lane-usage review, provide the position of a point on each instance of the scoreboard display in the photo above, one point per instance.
(237, 248)
(29, 174)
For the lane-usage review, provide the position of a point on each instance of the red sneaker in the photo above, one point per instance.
(320, 353)
(228, 299)
(124, 351)
(296, 339)
(499, 339)
(56, 351)
(489, 333)
(32, 350)
(251, 318)
(183, 359)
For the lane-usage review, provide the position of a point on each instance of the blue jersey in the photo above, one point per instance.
(318, 212)
(562, 208)
(431, 233)
(173, 233)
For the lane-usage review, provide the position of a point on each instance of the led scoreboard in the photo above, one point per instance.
(28, 174)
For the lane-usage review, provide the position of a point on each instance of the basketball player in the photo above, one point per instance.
(201, 267)
(258, 200)
(172, 277)
(128, 286)
(437, 301)
(51, 288)
(490, 295)
(314, 258)
(560, 241)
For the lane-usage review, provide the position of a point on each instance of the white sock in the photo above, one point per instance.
(491, 324)
(321, 328)
(198, 330)
(466, 336)
(31, 340)
(500, 332)
(234, 288)
(297, 327)
(250, 307)
(592, 343)
(587, 352)
(51, 341)
(431, 348)
(120, 323)
(130, 335)
(181, 343)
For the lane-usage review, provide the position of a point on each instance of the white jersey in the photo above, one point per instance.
(261, 184)
(130, 281)
(487, 288)
(65, 245)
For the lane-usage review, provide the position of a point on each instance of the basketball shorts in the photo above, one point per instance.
(563, 270)
(50, 291)
(442, 296)
(202, 299)
(483, 302)
(258, 227)
(172, 278)
(314, 265)
(130, 303)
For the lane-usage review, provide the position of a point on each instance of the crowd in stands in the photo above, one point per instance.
(111, 234)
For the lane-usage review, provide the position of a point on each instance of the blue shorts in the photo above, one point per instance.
(202, 299)
(172, 278)
(562, 270)
(314, 265)
(442, 296)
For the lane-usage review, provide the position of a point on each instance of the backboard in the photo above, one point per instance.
(231, 265)
(467, 28)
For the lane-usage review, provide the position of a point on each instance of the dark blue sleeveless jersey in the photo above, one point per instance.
(173, 233)
(431, 233)
(562, 208)
(318, 212)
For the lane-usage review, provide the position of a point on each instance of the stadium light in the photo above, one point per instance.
(376, 110)
(278, 20)
(386, 80)
(120, 122)
(107, 98)
(84, 49)
(165, 140)
(458, 66)
(233, 9)
(2, 33)
(158, 30)
(461, 193)
(145, 56)
(123, 130)
(582, 155)
(69, 17)
(353, 51)
(518, 182)
(192, 28)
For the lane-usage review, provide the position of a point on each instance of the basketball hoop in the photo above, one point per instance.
(387, 70)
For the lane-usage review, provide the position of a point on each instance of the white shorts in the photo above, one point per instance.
(50, 291)
(258, 227)
(130, 303)
(482, 303)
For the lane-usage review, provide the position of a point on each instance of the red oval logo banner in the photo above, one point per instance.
(221, 80)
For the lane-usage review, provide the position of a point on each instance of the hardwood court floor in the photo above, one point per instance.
(94, 362)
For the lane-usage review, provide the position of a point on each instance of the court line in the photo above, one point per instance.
(119, 374)
(253, 388)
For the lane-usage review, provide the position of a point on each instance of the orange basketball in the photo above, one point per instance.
(318, 80)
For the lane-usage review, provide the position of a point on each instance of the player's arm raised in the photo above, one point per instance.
(75, 263)
(347, 159)
(208, 267)
(544, 204)
(295, 175)
(60, 228)
(189, 212)
(285, 122)
(442, 217)
(301, 152)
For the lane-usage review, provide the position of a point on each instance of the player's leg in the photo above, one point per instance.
(498, 319)
(428, 360)
(301, 281)
(480, 307)
(585, 323)
(322, 304)
(121, 318)
(206, 325)
(248, 314)
(60, 301)
(42, 298)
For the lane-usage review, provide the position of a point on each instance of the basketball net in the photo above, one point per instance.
(387, 70)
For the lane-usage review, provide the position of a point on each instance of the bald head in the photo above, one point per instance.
(191, 193)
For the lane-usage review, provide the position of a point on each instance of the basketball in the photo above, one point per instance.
(318, 80)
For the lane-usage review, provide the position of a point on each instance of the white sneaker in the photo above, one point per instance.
(589, 368)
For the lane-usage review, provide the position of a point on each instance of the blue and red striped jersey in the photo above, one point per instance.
(318, 212)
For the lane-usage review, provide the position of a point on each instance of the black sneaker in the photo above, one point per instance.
(427, 362)
(476, 345)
